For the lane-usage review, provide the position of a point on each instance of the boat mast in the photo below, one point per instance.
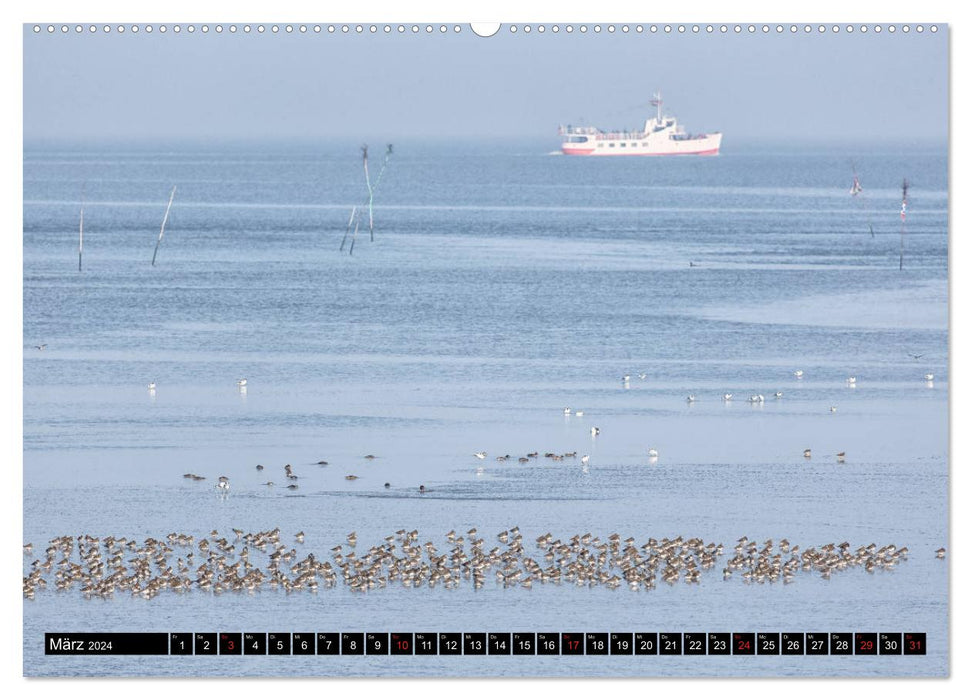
(657, 102)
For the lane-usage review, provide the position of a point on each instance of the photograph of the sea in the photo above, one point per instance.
(547, 393)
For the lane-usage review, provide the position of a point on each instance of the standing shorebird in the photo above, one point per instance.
(152, 386)
(940, 553)
(223, 484)
(594, 432)
(652, 453)
(727, 397)
(928, 377)
(584, 459)
(240, 383)
(840, 457)
(798, 374)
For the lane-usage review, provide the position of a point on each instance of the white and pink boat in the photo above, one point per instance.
(662, 136)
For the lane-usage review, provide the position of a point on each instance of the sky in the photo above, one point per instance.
(94, 88)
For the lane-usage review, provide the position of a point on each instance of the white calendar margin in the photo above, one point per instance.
(509, 11)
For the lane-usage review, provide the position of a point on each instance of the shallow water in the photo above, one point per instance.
(500, 288)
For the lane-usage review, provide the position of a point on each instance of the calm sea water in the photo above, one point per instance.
(503, 284)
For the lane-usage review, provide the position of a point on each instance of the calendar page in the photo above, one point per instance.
(540, 349)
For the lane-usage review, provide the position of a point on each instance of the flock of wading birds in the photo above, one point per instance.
(223, 483)
(102, 566)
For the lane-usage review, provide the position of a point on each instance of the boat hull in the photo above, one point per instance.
(708, 145)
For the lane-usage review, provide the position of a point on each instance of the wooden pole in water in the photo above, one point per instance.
(354, 219)
(162, 230)
(354, 237)
(81, 228)
(349, 223)
(81, 237)
(857, 189)
(370, 195)
(372, 190)
(903, 222)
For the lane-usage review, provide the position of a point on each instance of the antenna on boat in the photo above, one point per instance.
(903, 222)
(162, 230)
(657, 102)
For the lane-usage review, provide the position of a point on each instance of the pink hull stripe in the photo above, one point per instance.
(590, 151)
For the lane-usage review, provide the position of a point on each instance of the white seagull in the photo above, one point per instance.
(578, 413)
(584, 459)
(151, 386)
(691, 398)
(798, 374)
(928, 377)
(727, 397)
(652, 453)
(241, 383)
(480, 455)
(594, 432)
